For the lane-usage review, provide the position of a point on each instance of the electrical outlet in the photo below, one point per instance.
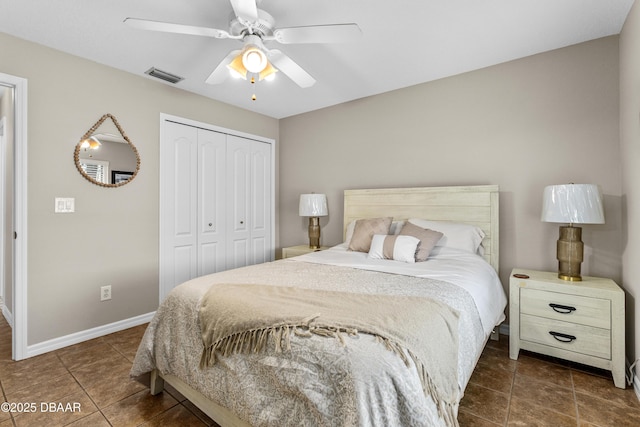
(105, 293)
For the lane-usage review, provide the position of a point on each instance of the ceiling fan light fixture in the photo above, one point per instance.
(254, 59)
(236, 68)
(269, 72)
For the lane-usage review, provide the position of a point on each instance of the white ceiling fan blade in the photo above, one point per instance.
(292, 70)
(168, 27)
(245, 10)
(337, 33)
(221, 72)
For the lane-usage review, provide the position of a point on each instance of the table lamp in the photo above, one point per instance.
(314, 206)
(572, 204)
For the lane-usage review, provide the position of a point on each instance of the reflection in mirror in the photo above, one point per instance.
(105, 156)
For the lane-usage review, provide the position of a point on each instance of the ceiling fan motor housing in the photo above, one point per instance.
(263, 27)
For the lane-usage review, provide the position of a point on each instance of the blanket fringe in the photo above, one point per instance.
(255, 341)
(446, 410)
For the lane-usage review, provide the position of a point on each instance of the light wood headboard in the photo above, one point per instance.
(477, 205)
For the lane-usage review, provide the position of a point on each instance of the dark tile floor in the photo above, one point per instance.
(541, 391)
(94, 375)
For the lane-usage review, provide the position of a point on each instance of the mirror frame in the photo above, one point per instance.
(88, 134)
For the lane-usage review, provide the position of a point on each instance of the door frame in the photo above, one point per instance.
(19, 286)
(164, 118)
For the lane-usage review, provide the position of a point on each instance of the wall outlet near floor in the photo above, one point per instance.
(105, 293)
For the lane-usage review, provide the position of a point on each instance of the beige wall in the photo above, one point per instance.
(546, 119)
(112, 239)
(630, 154)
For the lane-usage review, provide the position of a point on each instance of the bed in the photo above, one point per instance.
(379, 371)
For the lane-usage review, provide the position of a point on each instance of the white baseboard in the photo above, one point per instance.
(7, 314)
(77, 337)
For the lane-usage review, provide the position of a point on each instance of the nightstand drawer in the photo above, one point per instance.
(568, 336)
(587, 311)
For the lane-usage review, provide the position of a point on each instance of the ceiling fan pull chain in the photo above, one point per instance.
(253, 82)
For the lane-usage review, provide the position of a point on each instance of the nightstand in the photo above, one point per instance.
(292, 251)
(578, 321)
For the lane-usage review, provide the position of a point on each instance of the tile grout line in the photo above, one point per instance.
(575, 398)
(513, 383)
(83, 390)
(99, 409)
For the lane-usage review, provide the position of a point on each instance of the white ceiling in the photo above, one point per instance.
(405, 42)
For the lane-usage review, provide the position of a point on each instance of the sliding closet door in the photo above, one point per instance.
(260, 195)
(216, 202)
(248, 202)
(211, 209)
(178, 205)
(238, 201)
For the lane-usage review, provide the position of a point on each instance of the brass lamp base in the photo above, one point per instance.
(570, 253)
(314, 232)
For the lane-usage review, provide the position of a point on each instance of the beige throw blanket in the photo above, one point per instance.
(238, 318)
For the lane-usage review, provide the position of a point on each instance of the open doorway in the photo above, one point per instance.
(13, 230)
(5, 264)
(6, 200)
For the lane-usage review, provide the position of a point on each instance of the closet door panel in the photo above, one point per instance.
(178, 208)
(184, 191)
(238, 201)
(260, 194)
(211, 209)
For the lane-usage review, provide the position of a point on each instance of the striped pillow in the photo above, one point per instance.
(398, 248)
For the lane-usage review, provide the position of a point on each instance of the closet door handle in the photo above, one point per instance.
(562, 309)
(241, 222)
(562, 337)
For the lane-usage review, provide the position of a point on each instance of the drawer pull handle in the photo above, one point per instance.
(562, 337)
(563, 309)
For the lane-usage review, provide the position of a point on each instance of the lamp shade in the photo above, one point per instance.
(313, 205)
(572, 204)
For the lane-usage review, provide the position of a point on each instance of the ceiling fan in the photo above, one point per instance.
(253, 26)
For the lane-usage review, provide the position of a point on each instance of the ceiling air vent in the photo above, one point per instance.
(163, 75)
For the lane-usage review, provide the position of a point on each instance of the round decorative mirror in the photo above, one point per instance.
(105, 156)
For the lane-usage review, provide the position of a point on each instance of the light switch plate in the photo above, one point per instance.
(65, 205)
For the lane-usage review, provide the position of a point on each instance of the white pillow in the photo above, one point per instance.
(456, 235)
(398, 248)
(396, 226)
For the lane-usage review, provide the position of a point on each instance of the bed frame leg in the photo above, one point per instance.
(157, 383)
(495, 335)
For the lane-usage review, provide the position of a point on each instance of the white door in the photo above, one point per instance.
(178, 208)
(211, 207)
(248, 202)
(260, 191)
(216, 202)
(238, 201)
